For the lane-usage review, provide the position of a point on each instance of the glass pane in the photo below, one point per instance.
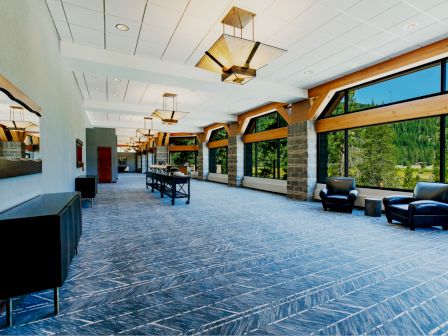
(281, 121)
(412, 85)
(218, 134)
(446, 75)
(266, 122)
(183, 141)
(183, 159)
(283, 159)
(337, 106)
(331, 155)
(395, 155)
(267, 159)
(221, 160)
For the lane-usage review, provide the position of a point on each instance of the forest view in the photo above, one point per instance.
(395, 155)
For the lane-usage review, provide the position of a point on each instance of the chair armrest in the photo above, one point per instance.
(397, 200)
(323, 193)
(353, 195)
(428, 208)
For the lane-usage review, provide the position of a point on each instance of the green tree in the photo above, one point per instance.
(408, 178)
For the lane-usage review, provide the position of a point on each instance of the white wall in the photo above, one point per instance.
(273, 185)
(220, 178)
(30, 58)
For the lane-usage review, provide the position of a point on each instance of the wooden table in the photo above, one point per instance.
(173, 186)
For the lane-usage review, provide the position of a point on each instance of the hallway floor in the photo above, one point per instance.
(238, 261)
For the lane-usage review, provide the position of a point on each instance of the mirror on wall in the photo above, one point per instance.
(20, 144)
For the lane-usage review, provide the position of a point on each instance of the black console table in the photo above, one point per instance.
(173, 186)
(39, 240)
(87, 185)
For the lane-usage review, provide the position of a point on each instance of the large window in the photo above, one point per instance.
(267, 159)
(392, 156)
(417, 83)
(183, 141)
(218, 160)
(184, 158)
(218, 134)
(266, 122)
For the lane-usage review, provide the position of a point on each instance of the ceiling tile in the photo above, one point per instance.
(367, 9)
(152, 50)
(135, 92)
(339, 5)
(397, 13)
(376, 41)
(289, 9)
(155, 34)
(63, 30)
(120, 43)
(440, 11)
(83, 35)
(82, 85)
(395, 48)
(339, 25)
(56, 10)
(112, 21)
(359, 33)
(84, 17)
(162, 16)
(426, 4)
(178, 5)
(125, 10)
(96, 5)
(420, 21)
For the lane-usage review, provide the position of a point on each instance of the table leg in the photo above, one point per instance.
(173, 192)
(56, 300)
(188, 199)
(9, 312)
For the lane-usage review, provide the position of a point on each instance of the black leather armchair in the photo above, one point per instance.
(340, 194)
(427, 207)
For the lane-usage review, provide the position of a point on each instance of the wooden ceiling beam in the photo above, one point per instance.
(324, 92)
(421, 108)
(219, 143)
(278, 133)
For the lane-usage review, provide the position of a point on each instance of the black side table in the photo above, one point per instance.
(373, 207)
(87, 185)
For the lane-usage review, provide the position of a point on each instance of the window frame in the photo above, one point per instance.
(443, 89)
(442, 148)
(214, 150)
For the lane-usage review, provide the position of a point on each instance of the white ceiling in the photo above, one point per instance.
(324, 38)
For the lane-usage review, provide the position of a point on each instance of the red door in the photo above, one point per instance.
(105, 164)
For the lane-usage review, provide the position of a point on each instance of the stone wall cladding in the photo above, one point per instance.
(235, 161)
(302, 160)
(202, 161)
(12, 150)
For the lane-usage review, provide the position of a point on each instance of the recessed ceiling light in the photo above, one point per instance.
(117, 79)
(308, 72)
(410, 26)
(122, 27)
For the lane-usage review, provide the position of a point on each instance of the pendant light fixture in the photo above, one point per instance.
(146, 131)
(235, 58)
(169, 114)
(17, 120)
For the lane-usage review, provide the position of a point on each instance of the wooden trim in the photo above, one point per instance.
(421, 108)
(167, 139)
(208, 130)
(244, 118)
(184, 148)
(18, 95)
(3, 136)
(159, 139)
(278, 133)
(405, 61)
(219, 143)
(173, 135)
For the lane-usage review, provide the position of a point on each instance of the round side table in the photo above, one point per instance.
(373, 207)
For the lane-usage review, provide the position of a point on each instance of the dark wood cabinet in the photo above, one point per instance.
(39, 239)
(87, 185)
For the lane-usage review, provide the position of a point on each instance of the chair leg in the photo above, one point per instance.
(445, 228)
(56, 300)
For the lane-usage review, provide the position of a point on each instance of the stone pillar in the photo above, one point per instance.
(162, 154)
(202, 158)
(12, 149)
(235, 156)
(302, 160)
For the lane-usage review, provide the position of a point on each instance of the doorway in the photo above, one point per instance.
(105, 164)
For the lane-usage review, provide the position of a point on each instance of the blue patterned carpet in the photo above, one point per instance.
(239, 261)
